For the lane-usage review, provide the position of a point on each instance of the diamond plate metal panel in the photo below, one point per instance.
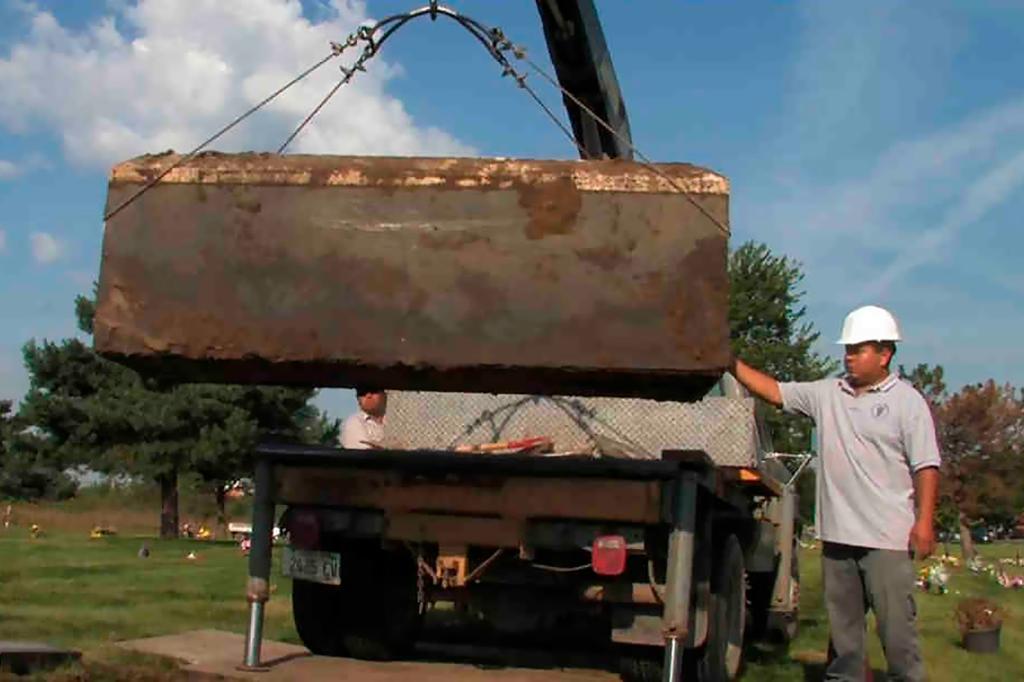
(722, 427)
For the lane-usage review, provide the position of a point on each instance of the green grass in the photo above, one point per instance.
(69, 590)
(75, 591)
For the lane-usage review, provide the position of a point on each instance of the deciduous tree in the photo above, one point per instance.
(981, 431)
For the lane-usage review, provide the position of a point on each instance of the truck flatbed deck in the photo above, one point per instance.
(449, 462)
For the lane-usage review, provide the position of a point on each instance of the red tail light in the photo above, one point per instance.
(608, 555)
(303, 528)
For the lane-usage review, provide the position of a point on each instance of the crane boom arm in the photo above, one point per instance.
(584, 68)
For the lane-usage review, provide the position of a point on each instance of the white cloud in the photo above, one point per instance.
(45, 247)
(979, 198)
(872, 194)
(8, 170)
(854, 60)
(887, 196)
(156, 75)
(13, 169)
(874, 229)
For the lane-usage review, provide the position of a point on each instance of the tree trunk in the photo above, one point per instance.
(169, 505)
(221, 493)
(966, 541)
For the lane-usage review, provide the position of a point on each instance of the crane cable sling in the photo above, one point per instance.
(336, 50)
(493, 40)
(645, 161)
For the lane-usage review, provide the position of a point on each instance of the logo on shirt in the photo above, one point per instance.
(879, 410)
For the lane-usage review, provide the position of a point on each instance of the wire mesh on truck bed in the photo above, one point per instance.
(724, 427)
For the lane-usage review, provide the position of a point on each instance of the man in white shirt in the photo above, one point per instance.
(364, 429)
(878, 479)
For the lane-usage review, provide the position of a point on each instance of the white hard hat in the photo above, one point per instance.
(870, 323)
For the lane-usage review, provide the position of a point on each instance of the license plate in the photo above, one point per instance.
(312, 565)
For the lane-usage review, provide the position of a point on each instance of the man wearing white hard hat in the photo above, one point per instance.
(878, 478)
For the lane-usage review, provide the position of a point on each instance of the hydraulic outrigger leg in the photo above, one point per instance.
(257, 590)
(679, 575)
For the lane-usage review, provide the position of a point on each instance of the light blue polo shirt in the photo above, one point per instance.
(869, 447)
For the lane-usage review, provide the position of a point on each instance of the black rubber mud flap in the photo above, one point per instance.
(641, 664)
(372, 615)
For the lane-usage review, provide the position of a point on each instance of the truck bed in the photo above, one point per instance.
(431, 462)
(403, 485)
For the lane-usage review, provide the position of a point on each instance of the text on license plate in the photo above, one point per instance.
(312, 565)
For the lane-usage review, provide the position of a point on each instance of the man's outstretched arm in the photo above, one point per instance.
(757, 382)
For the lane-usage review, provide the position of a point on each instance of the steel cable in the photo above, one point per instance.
(496, 44)
(336, 50)
(645, 161)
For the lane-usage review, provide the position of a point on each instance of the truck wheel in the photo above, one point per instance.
(721, 657)
(372, 615)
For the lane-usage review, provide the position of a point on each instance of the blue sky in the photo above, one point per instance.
(881, 144)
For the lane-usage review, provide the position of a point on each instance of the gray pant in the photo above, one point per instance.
(858, 578)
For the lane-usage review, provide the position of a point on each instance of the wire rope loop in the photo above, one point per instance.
(496, 43)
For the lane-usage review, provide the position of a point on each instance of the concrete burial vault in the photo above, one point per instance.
(559, 277)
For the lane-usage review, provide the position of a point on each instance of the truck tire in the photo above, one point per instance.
(721, 657)
(372, 615)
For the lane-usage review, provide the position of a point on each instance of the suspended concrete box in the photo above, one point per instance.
(482, 275)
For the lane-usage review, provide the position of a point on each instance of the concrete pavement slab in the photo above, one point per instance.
(217, 653)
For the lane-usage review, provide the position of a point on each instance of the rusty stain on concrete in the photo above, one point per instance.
(553, 207)
(604, 257)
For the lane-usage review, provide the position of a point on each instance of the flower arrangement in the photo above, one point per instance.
(978, 613)
(997, 570)
(1009, 580)
(933, 578)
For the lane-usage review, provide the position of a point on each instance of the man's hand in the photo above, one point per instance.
(922, 539)
(760, 384)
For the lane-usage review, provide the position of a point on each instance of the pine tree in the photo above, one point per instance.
(28, 468)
